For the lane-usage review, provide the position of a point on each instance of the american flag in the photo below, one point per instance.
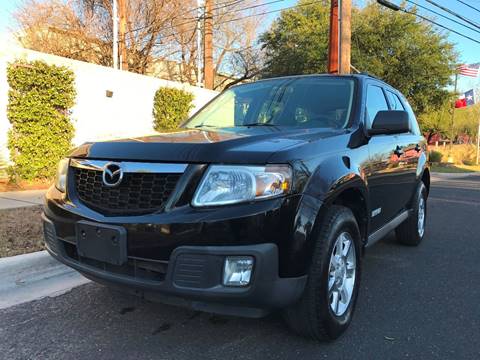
(469, 69)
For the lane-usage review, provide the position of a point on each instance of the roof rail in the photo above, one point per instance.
(370, 75)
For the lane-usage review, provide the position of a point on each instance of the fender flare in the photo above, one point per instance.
(330, 179)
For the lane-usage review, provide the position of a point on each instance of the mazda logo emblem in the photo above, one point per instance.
(112, 174)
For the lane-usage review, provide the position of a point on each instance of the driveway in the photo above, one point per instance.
(420, 303)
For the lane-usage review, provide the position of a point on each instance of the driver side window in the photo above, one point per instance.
(375, 102)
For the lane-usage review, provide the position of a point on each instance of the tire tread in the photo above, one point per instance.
(304, 317)
(407, 232)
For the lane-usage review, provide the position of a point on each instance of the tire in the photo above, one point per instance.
(312, 316)
(410, 231)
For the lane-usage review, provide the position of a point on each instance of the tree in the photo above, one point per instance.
(235, 30)
(297, 42)
(410, 54)
(161, 36)
(82, 29)
(437, 120)
(466, 121)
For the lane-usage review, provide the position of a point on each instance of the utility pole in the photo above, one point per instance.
(122, 12)
(208, 45)
(115, 35)
(339, 43)
(333, 39)
(345, 36)
(478, 140)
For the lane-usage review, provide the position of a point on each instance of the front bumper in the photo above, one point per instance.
(169, 280)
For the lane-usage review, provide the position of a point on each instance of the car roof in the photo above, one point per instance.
(360, 76)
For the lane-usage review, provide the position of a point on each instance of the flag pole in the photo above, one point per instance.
(478, 139)
(453, 112)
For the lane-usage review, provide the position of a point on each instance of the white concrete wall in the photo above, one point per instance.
(96, 117)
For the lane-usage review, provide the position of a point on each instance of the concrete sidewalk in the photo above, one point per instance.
(28, 277)
(16, 199)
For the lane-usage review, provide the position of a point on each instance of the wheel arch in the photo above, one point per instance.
(348, 189)
(426, 179)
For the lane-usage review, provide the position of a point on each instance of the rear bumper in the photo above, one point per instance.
(266, 291)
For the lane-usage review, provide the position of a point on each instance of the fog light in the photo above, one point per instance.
(237, 270)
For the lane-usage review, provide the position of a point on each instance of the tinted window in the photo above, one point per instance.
(375, 102)
(394, 101)
(302, 102)
(413, 120)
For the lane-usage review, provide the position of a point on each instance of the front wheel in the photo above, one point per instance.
(412, 230)
(326, 307)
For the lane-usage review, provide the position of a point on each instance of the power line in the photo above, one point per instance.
(259, 14)
(443, 16)
(442, 26)
(192, 19)
(258, 5)
(173, 34)
(468, 5)
(270, 12)
(454, 13)
(399, 8)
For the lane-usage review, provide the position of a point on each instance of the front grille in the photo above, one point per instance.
(138, 193)
(137, 268)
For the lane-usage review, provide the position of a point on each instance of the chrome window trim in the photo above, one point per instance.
(130, 166)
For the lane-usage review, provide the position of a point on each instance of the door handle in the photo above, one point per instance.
(418, 148)
(398, 151)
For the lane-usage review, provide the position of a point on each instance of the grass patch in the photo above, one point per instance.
(21, 231)
(457, 169)
(459, 154)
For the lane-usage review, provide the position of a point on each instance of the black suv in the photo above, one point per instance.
(263, 200)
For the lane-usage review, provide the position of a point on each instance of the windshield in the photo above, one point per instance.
(307, 102)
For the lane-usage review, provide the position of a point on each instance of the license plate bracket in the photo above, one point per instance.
(101, 242)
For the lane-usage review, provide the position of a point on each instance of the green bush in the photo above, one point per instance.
(3, 167)
(39, 102)
(171, 107)
(464, 154)
(435, 156)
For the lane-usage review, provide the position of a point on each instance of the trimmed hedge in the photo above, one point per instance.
(39, 102)
(170, 107)
(435, 156)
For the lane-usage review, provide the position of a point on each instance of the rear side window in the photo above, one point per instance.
(394, 101)
(375, 102)
(413, 120)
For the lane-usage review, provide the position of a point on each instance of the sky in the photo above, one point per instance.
(469, 51)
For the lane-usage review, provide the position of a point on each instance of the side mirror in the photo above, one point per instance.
(390, 122)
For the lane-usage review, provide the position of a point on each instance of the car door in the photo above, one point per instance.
(387, 169)
(410, 148)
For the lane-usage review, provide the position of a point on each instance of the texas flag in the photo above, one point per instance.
(466, 99)
(469, 97)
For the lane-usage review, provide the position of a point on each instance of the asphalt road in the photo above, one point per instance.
(421, 303)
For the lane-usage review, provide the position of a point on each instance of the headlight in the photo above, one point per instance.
(224, 184)
(61, 178)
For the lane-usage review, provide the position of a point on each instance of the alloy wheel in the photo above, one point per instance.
(341, 274)
(421, 216)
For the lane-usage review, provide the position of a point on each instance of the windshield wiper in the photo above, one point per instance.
(259, 124)
(204, 125)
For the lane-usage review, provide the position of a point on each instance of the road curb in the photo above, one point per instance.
(452, 176)
(28, 277)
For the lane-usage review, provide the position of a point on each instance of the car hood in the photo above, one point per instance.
(252, 145)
